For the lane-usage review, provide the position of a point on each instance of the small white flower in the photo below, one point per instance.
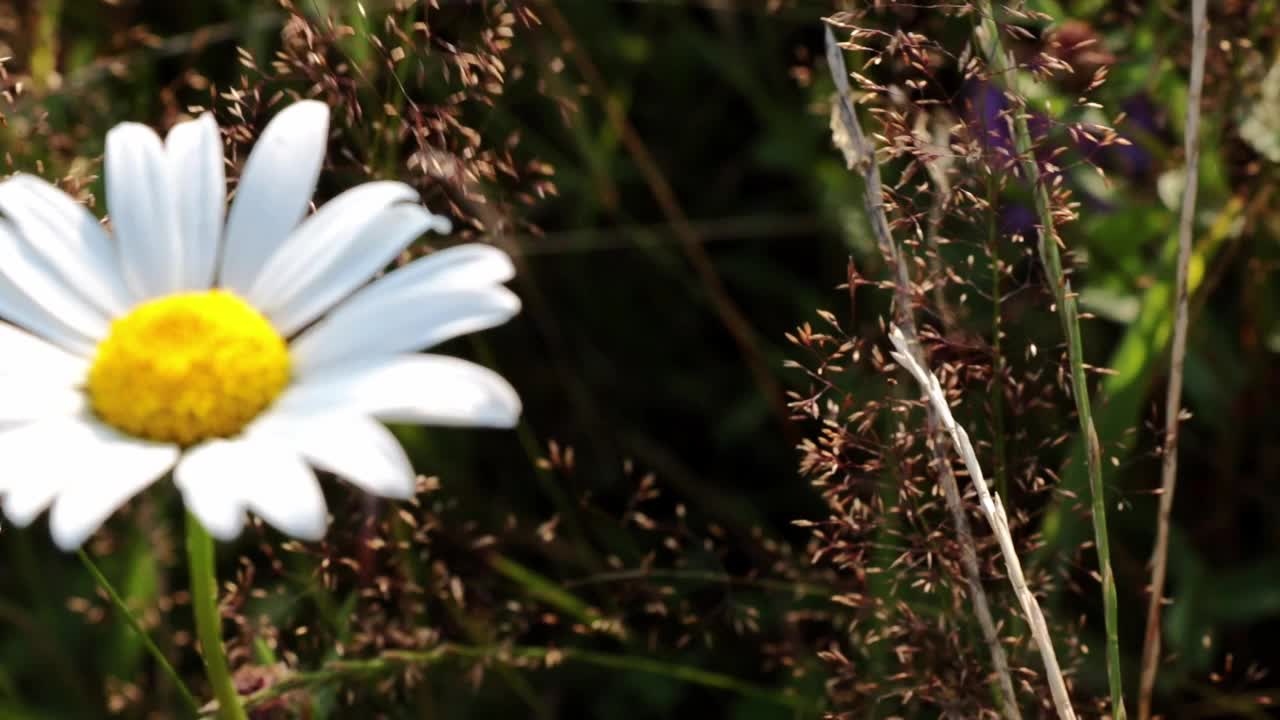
(238, 354)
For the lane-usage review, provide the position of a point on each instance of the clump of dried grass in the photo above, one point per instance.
(960, 140)
(410, 92)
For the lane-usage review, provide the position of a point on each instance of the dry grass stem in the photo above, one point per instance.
(860, 155)
(994, 512)
(1178, 353)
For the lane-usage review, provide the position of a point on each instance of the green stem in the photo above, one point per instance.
(204, 602)
(529, 443)
(1065, 300)
(544, 589)
(137, 628)
(397, 660)
(798, 589)
(44, 56)
(997, 381)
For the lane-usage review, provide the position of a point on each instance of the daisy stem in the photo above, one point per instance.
(204, 601)
(137, 628)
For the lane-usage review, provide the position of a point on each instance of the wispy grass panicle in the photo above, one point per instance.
(960, 148)
(988, 37)
(994, 511)
(861, 156)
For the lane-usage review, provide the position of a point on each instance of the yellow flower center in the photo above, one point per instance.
(188, 367)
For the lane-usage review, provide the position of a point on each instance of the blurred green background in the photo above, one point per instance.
(644, 510)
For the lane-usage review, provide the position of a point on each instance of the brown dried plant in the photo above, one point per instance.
(948, 130)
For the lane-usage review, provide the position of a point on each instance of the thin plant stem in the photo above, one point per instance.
(553, 490)
(1178, 353)
(852, 141)
(937, 168)
(993, 509)
(997, 350)
(1068, 312)
(997, 343)
(545, 589)
(796, 589)
(477, 633)
(393, 661)
(204, 602)
(141, 632)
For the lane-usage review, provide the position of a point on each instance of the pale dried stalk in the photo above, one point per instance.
(859, 154)
(994, 512)
(1173, 400)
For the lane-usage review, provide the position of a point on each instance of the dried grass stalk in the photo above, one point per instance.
(1173, 399)
(994, 512)
(860, 156)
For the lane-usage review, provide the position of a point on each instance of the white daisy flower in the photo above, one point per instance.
(239, 355)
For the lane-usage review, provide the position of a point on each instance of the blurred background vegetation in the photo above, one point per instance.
(664, 172)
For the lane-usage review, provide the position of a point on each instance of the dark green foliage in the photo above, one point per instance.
(661, 547)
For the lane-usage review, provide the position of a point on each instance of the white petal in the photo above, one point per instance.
(210, 477)
(18, 307)
(337, 249)
(35, 278)
(424, 389)
(37, 379)
(286, 493)
(314, 246)
(26, 356)
(375, 323)
(462, 267)
(68, 238)
(47, 458)
(144, 211)
(24, 503)
(193, 151)
(221, 477)
(351, 446)
(274, 190)
(124, 466)
(35, 456)
(22, 400)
